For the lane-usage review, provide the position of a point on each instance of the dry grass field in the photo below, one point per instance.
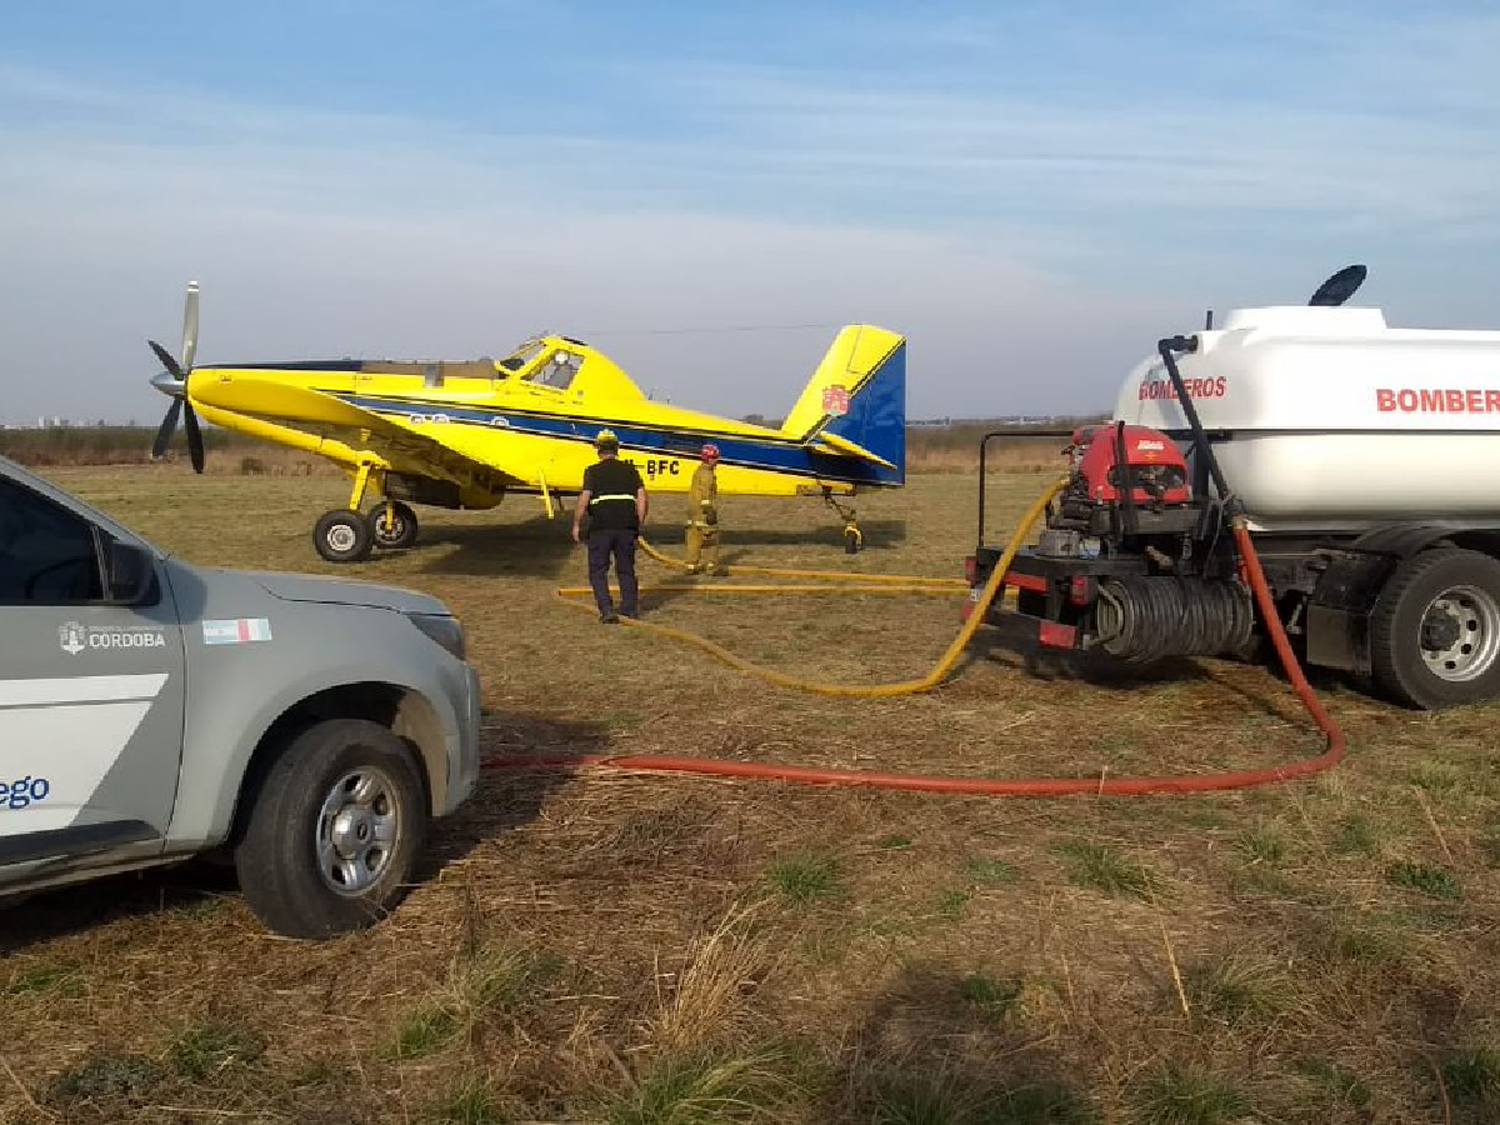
(594, 946)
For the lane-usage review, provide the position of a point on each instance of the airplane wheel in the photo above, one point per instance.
(852, 541)
(403, 532)
(342, 536)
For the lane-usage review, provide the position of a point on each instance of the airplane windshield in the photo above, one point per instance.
(521, 356)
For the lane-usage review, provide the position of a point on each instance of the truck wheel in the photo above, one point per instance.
(1435, 631)
(334, 832)
(342, 535)
(403, 532)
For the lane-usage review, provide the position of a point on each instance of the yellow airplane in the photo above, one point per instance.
(461, 434)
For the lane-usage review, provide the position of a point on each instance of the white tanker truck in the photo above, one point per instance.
(1365, 462)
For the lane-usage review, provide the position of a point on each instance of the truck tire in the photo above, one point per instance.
(1435, 630)
(334, 832)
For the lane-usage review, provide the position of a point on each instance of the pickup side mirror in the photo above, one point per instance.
(129, 573)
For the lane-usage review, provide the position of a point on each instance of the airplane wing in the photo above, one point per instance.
(329, 426)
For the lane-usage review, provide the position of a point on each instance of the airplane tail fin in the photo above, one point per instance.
(855, 403)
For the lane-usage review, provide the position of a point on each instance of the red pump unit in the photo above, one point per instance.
(1155, 467)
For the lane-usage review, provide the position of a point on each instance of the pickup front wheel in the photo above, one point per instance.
(334, 832)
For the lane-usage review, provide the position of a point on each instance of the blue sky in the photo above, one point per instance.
(1033, 192)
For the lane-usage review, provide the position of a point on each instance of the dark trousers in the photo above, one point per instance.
(619, 544)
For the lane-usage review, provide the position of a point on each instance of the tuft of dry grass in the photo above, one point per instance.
(708, 997)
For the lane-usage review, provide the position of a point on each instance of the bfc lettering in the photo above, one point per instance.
(659, 466)
(1408, 400)
(1213, 387)
(17, 795)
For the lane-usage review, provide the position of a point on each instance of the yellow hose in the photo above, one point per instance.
(905, 687)
(829, 575)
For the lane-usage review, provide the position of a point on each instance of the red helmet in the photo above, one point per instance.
(709, 452)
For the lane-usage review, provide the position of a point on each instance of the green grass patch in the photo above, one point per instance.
(1435, 777)
(1177, 1095)
(1262, 843)
(506, 981)
(806, 878)
(105, 1076)
(1426, 878)
(986, 872)
(1337, 1084)
(1364, 945)
(1102, 867)
(1355, 835)
(1471, 1076)
(54, 978)
(951, 903)
(949, 1099)
(495, 980)
(995, 998)
(894, 842)
(1236, 990)
(704, 1089)
(425, 1031)
(200, 1053)
(318, 1072)
(471, 1103)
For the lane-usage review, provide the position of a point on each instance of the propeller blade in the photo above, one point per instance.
(194, 435)
(1340, 287)
(168, 428)
(190, 326)
(166, 360)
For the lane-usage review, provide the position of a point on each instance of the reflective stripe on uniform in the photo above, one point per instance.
(611, 496)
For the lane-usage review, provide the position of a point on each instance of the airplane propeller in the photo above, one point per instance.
(172, 382)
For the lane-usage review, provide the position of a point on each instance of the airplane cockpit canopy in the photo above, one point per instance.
(522, 355)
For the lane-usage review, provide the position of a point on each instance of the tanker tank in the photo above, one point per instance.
(1325, 418)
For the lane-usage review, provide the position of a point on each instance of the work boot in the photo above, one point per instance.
(609, 619)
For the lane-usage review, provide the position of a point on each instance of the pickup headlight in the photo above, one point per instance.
(442, 630)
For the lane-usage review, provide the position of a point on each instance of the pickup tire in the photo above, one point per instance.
(1435, 630)
(334, 832)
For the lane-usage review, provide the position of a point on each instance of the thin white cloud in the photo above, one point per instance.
(970, 217)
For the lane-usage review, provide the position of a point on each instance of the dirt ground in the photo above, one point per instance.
(596, 946)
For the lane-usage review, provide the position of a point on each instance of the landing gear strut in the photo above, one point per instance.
(853, 539)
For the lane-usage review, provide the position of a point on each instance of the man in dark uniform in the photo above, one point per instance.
(614, 498)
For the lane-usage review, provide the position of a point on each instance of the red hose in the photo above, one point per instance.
(1022, 787)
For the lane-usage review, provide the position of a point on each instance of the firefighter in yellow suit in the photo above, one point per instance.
(703, 516)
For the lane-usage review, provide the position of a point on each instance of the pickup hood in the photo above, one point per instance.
(341, 591)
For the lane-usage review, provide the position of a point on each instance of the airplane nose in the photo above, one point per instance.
(168, 385)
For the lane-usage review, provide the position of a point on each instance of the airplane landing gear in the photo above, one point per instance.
(853, 538)
(393, 525)
(342, 536)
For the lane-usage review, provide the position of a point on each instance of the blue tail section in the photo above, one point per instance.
(876, 419)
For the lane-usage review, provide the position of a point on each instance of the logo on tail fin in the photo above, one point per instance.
(836, 400)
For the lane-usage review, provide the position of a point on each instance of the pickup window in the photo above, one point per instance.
(48, 554)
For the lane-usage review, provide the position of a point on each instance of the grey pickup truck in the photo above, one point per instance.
(308, 730)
